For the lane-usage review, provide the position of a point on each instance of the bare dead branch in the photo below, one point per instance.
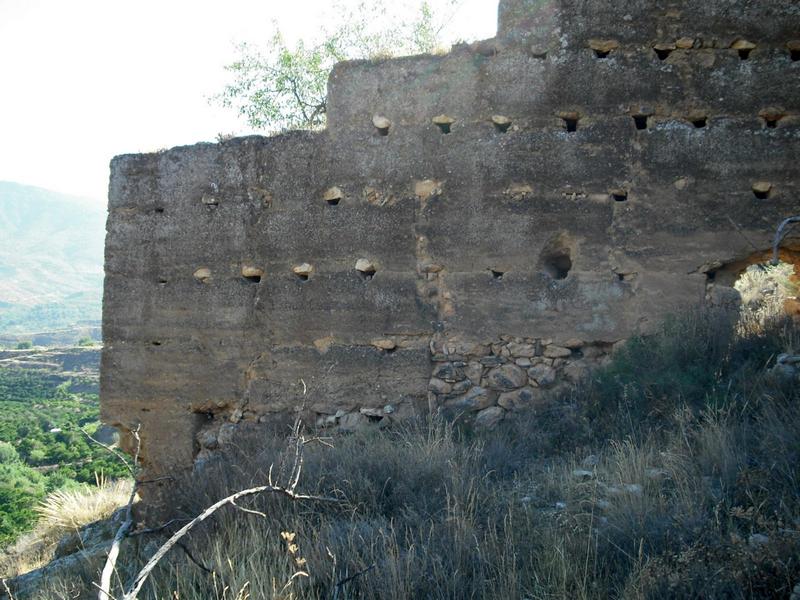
(104, 587)
(7, 589)
(289, 491)
(156, 480)
(158, 529)
(144, 573)
(97, 585)
(114, 451)
(780, 234)
(249, 510)
(352, 577)
(189, 555)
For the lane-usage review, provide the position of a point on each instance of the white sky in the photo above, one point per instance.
(84, 80)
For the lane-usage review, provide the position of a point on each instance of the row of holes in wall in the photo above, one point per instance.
(762, 190)
(555, 263)
(570, 121)
(618, 195)
(743, 49)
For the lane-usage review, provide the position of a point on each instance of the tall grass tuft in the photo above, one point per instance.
(67, 510)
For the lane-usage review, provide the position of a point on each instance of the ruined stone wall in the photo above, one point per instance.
(470, 230)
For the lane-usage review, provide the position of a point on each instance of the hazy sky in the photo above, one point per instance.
(84, 80)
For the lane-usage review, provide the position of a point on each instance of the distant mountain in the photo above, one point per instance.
(51, 259)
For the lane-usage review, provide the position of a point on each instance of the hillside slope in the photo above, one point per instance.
(51, 259)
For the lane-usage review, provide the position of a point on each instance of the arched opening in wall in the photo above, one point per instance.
(759, 290)
(556, 257)
(766, 290)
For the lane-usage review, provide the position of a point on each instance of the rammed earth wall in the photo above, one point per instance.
(470, 230)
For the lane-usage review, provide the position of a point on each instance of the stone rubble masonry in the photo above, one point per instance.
(470, 232)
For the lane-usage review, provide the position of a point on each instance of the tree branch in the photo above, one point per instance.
(144, 573)
(288, 491)
(780, 234)
(104, 592)
(6, 588)
(113, 451)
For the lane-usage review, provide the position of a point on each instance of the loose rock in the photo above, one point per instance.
(543, 375)
(449, 372)
(517, 399)
(553, 351)
(522, 350)
(506, 377)
(477, 398)
(384, 344)
(489, 418)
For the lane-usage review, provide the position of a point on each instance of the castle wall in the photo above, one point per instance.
(508, 256)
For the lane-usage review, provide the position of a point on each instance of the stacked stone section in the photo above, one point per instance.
(487, 381)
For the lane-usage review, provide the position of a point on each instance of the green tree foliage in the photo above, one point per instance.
(8, 454)
(41, 447)
(24, 345)
(283, 86)
(20, 489)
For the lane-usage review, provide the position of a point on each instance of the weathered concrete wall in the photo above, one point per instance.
(507, 255)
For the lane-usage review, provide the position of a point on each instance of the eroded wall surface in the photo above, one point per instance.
(470, 230)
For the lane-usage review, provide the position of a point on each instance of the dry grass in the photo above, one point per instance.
(764, 289)
(61, 513)
(675, 472)
(65, 511)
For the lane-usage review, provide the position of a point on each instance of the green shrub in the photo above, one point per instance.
(33, 407)
(20, 489)
(8, 454)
